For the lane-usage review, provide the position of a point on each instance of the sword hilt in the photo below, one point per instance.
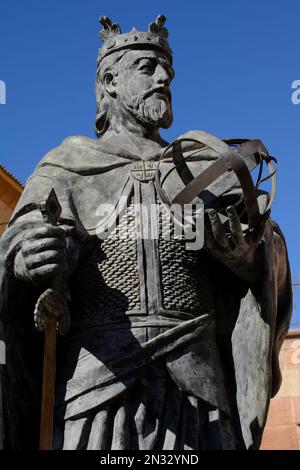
(53, 300)
(51, 209)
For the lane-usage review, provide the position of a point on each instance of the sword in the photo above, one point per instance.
(51, 315)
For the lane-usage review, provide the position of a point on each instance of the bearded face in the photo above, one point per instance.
(144, 79)
(152, 108)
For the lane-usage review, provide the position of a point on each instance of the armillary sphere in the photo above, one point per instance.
(209, 170)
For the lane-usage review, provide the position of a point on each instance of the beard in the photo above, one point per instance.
(151, 109)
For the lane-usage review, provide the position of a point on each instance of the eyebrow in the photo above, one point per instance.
(139, 59)
(162, 61)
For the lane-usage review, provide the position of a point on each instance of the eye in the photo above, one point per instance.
(147, 66)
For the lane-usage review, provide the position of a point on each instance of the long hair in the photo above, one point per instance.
(103, 99)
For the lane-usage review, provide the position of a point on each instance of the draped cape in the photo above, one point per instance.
(251, 320)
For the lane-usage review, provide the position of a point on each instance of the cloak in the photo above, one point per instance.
(252, 320)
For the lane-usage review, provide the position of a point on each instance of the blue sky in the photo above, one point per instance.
(235, 62)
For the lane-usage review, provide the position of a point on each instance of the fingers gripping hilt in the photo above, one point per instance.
(52, 302)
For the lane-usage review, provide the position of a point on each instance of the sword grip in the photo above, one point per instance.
(51, 211)
(48, 389)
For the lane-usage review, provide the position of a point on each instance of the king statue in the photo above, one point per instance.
(167, 343)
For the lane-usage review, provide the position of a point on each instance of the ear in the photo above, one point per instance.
(109, 83)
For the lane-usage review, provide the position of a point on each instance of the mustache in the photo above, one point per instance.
(157, 89)
(140, 98)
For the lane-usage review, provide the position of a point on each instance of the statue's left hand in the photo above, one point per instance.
(235, 250)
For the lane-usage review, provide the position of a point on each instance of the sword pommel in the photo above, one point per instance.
(51, 208)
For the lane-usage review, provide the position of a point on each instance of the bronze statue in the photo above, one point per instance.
(170, 346)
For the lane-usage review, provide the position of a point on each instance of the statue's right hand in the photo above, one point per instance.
(43, 254)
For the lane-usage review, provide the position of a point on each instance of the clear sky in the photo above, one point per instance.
(235, 61)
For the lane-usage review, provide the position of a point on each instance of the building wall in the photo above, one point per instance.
(10, 192)
(283, 425)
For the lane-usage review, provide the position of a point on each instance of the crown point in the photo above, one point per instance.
(110, 29)
(157, 27)
(113, 40)
(161, 19)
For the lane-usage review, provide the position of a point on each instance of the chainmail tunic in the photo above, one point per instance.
(130, 293)
(112, 282)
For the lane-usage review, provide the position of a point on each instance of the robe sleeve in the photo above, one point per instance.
(258, 333)
(21, 375)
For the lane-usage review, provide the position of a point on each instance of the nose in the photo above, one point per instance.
(162, 76)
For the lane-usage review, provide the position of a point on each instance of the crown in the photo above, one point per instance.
(114, 41)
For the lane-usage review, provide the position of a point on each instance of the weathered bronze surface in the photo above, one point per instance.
(171, 346)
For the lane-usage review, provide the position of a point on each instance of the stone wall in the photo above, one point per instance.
(10, 192)
(283, 425)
